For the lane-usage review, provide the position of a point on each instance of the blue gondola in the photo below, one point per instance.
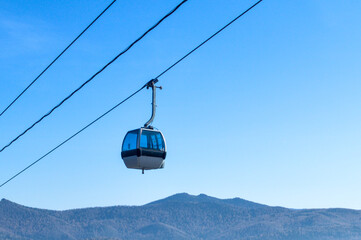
(145, 148)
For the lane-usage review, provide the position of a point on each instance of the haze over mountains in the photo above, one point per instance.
(180, 216)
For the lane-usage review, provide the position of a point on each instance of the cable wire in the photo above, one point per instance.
(57, 57)
(113, 108)
(92, 77)
(68, 139)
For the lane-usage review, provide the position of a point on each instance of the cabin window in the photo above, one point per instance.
(130, 141)
(152, 140)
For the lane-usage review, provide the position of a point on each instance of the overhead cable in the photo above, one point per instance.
(57, 57)
(117, 105)
(92, 77)
(68, 139)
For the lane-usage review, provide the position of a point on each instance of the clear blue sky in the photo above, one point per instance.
(268, 111)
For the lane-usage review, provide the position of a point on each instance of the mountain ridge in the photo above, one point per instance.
(185, 197)
(180, 216)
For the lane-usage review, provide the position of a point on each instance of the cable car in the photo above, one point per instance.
(145, 148)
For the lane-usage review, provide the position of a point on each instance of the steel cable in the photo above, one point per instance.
(57, 57)
(113, 108)
(92, 77)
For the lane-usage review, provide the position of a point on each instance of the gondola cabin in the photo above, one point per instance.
(144, 149)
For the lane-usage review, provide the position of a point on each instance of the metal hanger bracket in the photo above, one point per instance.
(151, 84)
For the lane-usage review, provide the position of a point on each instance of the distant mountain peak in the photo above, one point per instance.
(181, 197)
(9, 204)
(5, 201)
(186, 198)
(202, 195)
